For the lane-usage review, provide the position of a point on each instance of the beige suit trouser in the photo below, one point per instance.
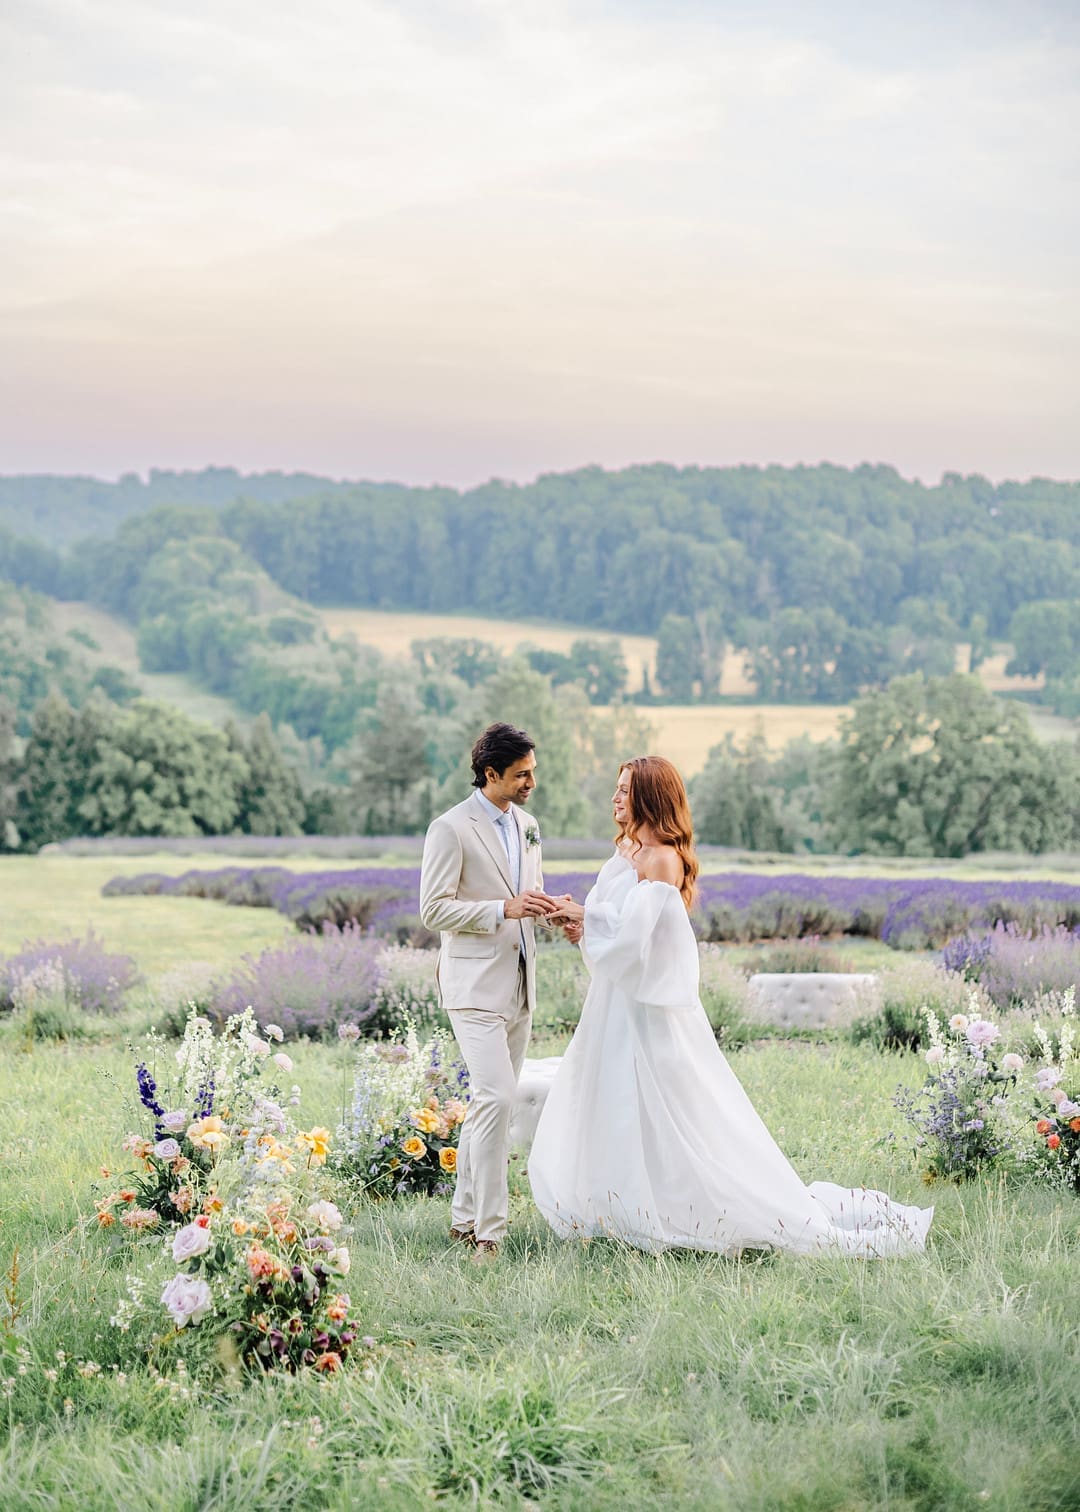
(493, 1045)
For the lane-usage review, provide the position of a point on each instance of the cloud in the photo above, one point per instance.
(538, 221)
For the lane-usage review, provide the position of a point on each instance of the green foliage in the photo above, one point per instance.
(37, 661)
(880, 573)
(937, 767)
(270, 799)
(597, 665)
(159, 773)
(734, 800)
(147, 770)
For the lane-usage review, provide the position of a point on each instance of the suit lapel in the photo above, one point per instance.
(492, 844)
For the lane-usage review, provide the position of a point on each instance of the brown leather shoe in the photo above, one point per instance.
(462, 1236)
(484, 1250)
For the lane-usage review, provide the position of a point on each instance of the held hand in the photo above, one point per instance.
(566, 911)
(529, 905)
(574, 932)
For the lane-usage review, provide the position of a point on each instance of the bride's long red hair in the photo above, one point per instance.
(658, 802)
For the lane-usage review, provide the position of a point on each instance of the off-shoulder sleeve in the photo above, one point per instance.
(644, 945)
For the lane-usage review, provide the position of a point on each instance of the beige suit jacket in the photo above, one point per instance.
(464, 875)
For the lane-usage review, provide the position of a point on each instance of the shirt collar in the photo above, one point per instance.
(494, 813)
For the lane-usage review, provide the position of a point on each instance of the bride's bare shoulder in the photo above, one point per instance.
(661, 863)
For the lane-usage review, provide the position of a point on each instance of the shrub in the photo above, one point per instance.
(724, 990)
(81, 973)
(905, 991)
(807, 954)
(1016, 965)
(309, 986)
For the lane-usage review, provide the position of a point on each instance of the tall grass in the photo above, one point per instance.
(580, 1376)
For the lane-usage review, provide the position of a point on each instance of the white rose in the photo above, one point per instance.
(282, 1060)
(190, 1241)
(176, 1122)
(258, 1046)
(935, 1055)
(1058, 1095)
(1067, 1108)
(1012, 1062)
(325, 1215)
(166, 1149)
(274, 1032)
(187, 1298)
(339, 1260)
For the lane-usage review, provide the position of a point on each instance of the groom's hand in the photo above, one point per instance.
(529, 905)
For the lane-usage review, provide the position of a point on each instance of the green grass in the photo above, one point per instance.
(570, 1376)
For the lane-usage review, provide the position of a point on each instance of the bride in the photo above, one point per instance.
(647, 1135)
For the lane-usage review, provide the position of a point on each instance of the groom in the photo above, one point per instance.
(481, 887)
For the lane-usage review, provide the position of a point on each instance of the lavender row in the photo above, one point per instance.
(911, 913)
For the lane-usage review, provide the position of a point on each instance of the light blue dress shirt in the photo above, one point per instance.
(507, 826)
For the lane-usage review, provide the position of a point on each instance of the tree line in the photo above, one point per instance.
(831, 580)
(927, 767)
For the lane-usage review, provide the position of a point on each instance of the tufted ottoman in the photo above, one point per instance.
(813, 999)
(532, 1090)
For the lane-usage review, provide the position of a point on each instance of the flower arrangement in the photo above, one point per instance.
(254, 1279)
(961, 1114)
(195, 1119)
(1055, 1105)
(401, 1134)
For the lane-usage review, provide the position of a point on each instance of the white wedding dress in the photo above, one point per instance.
(648, 1137)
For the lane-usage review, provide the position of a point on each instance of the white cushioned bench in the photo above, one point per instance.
(813, 999)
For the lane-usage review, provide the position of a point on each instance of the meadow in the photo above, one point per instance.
(582, 1376)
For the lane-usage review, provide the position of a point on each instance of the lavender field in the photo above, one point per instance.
(906, 914)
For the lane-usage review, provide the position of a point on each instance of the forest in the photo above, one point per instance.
(851, 587)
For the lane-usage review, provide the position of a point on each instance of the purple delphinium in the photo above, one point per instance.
(148, 1091)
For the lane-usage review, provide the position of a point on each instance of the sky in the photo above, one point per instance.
(443, 242)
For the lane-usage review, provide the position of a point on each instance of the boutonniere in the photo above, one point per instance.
(532, 835)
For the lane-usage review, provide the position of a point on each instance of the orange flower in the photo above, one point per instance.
(317, 1144)
(1074, 1125)
(1043, 1126)
(338, 1310)
(414, 1148)
(105, 1218)
(239, 1227)
(424, 1120)
(1053, 1140)
(261, 1264)
(448, 1159)
(330, 1362)
(212, 1204)
(127, 1195)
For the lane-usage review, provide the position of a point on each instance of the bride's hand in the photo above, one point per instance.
(566, 911)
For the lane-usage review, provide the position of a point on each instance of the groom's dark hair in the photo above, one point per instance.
(499, 747)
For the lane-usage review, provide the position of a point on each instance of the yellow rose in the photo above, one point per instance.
(448, 1159)
(414, 1147)
(207, 1133)
(316, 1142)
(424, 1119)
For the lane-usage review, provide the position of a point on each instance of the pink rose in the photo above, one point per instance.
(190, 1241)
(187, 1298)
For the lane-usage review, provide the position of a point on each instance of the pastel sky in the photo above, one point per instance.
(449, 241)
